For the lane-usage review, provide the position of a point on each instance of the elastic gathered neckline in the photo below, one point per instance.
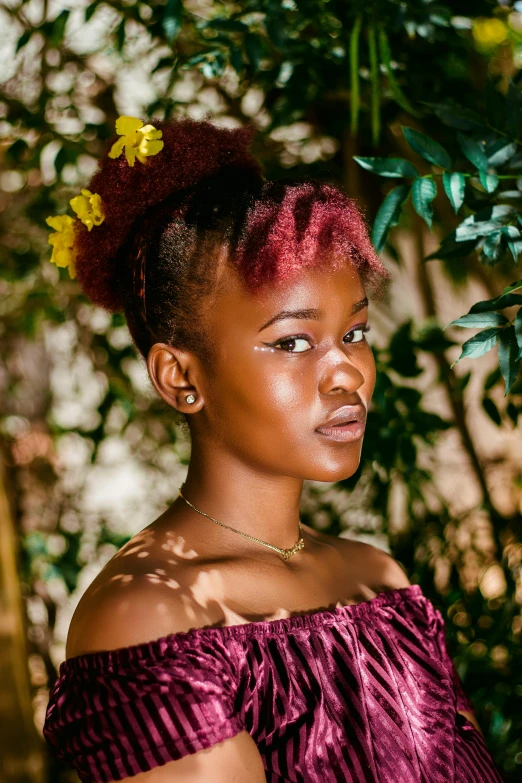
(159, 648)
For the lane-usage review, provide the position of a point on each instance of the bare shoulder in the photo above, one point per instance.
(136, 599)
(373, 566)
(383, 570)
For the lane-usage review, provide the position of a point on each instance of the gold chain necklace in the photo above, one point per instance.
(286, 554)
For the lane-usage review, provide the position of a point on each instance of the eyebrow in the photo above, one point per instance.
(312, 314)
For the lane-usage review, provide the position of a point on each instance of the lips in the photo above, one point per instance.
(345, 415)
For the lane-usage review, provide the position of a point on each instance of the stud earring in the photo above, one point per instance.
(190, 399)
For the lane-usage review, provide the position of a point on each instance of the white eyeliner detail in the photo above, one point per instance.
(304, 338)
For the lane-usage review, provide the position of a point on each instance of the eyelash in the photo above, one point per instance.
(361, 328)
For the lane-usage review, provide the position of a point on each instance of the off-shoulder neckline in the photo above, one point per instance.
(158, 648)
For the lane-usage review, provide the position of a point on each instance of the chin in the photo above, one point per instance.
(334, 469)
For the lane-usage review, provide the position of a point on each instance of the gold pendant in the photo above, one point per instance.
(286, 554)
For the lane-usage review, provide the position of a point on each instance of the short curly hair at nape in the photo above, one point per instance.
(167, 222)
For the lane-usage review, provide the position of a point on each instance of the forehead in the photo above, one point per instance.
(325, 288)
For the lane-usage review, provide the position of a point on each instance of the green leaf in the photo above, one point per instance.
(450, 249)
(476, 230)
(456, 116)
(478, 345)
(236, 59)
(498, 303)
(489, 181)
(507, 356)
(423, 192)
(389, 214)
(501, 152)
(518, 332)
(492, 410)
(512, 287)
(403, 357)
(89, 11)
(454, 185)
(375, 101)
(24, 38)
(227, 25)
(276, 32)
(398, 95)
(492, 248)
(388, 167)
(478, 320)
(254, 49)
(171, 21)
(473, 152)
(427, 148)
(514, 240)
(120, 35)
(59, 27)
(514, 110)
(354, 75)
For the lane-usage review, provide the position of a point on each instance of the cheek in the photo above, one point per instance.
(263, 388)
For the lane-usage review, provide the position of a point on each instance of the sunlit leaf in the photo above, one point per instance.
(478, 320)
(389, 214)
(501, 152)
(388, 167)
(478, 345)
(489, 181)
(172, 19)
(508, 357)
(423, 192)
(473, 152)
(427, 148)
(498, 303)
(518, 332)
(454, 185)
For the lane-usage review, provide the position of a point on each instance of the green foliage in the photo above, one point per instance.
(493, 229)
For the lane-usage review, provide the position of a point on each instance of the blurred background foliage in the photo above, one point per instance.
(89, 455)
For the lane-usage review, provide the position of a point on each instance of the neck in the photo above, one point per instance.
(259, 504)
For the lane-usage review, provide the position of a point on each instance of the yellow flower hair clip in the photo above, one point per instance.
(139, 140)
(88, 207)
(63, 242)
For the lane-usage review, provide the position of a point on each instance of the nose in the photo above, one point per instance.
(340, 374)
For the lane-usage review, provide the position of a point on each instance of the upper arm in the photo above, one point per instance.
(235, 760)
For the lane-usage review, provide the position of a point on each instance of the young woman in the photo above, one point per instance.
(226, 641)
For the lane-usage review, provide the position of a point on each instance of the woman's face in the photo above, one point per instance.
(287, 361)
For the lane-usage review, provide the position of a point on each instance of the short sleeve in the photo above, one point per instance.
(114, 714)
(462, 701)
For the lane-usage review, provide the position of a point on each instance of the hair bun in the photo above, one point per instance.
(192, 150)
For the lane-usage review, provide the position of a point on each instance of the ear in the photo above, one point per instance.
(172, 372)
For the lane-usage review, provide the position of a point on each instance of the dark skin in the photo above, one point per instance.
(254, 441)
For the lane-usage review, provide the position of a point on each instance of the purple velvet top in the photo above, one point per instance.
(365, 692)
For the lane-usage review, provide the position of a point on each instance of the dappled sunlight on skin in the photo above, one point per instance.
(175, 544)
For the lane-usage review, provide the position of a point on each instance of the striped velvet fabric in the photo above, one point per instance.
(361, 693)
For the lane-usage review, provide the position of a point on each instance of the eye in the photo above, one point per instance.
(356, 335)
(295, 344)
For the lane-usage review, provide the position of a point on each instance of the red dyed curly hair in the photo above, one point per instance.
(152, 256)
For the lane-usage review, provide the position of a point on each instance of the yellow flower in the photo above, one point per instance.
(489, 33)
(63, 242)
(88, 208)
(139, 140)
